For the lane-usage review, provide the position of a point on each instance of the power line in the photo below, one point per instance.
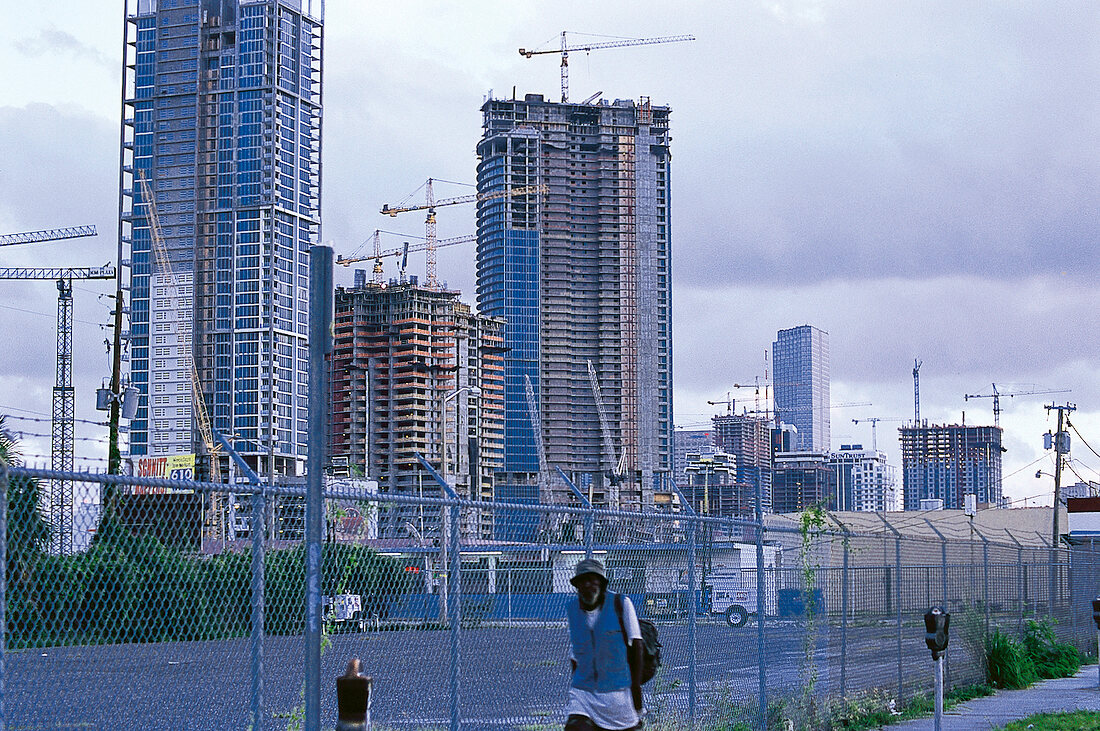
(50, 421)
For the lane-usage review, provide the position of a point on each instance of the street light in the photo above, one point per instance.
(473, 391)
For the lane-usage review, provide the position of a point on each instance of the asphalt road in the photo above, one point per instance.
(510, 676)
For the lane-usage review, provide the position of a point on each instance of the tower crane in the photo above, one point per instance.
(916, 391)
(164, 264)
(378, 254)
(874, 427)
(566, 48)
(997, 394)
(62, 416)
(430, 204)
(61, 445)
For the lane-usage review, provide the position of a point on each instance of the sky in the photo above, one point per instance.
(918, 178)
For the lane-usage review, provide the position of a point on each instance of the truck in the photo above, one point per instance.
(731, 596)
(343, 610)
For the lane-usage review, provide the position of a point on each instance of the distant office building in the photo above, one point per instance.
(582, 274)
(685, 442)
(414, 371)
(1081, 489)
(862, 480)
(800, 368)
(800, 480)
(714, 488)
(222, 131)
(748, 440)
(947, 462)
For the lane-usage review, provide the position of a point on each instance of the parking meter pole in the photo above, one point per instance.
(937, 624)
(1096, 619)
(939, 694)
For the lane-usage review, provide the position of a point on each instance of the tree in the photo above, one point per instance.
(28, 534)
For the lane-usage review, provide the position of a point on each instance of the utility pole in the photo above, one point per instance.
(1061, 446)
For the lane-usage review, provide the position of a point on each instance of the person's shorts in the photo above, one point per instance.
(577, 722)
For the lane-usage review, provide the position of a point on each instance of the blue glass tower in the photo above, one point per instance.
(222, 129)
(581, 274)
(800, 370)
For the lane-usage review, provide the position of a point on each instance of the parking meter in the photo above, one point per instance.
(936, 623)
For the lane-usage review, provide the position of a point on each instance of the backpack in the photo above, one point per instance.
(651, 647)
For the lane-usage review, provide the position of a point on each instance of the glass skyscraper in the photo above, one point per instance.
(222, 128)
(800, 372)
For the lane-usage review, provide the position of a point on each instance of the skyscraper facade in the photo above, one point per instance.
(222, 132)
(862, 480)
(800, 368)
(581, 273)
(947, 462)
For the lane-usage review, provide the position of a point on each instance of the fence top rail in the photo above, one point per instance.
(344, 491)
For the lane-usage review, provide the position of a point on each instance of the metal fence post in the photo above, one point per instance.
(259, 508)
(844, 616)
(454, 572)
(691, 622)
(985, 577)
(944, 662)
(1019, 580)
(321, 297)
(897, 592)
(761, 606)
(3, 582)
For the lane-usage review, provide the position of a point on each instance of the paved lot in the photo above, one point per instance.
(510, 675)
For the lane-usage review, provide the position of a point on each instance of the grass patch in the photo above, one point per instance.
(1076, 721)
(1040, 655)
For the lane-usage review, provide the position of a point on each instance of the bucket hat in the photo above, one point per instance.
(589, 566)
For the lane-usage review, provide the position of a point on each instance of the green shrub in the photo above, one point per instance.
(1052, 659)
(1009, 664)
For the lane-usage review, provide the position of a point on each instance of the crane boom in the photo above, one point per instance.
(52, 234)
(617, 463)
(997, 394)
(103, 272)
(430, 204)
(565, 49)
(536, 427)
(378, 255)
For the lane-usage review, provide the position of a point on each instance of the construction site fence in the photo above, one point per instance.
(183, 605)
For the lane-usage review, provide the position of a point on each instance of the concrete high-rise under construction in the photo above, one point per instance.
(221, 129)
(414, 371)
(946, 462)
(581, 273)
(800, 368)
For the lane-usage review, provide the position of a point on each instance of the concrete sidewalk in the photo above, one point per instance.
(1048, 696)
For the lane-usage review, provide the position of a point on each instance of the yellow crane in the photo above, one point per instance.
(403, 252)
(430, 204)
(566, 48)
(164, 264)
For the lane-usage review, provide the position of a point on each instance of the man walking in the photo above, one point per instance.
(606, 654)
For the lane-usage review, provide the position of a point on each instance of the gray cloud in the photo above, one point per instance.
(54, 43)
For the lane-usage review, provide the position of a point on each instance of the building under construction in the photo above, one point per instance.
(582, 275)
(748, 439)
(947, 462)
(414, 371)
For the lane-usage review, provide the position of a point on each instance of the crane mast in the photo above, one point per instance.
(60, 499)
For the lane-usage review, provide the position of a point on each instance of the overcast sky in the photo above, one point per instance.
(918, 178)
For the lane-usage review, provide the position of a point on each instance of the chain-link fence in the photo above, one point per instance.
(183, 605)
